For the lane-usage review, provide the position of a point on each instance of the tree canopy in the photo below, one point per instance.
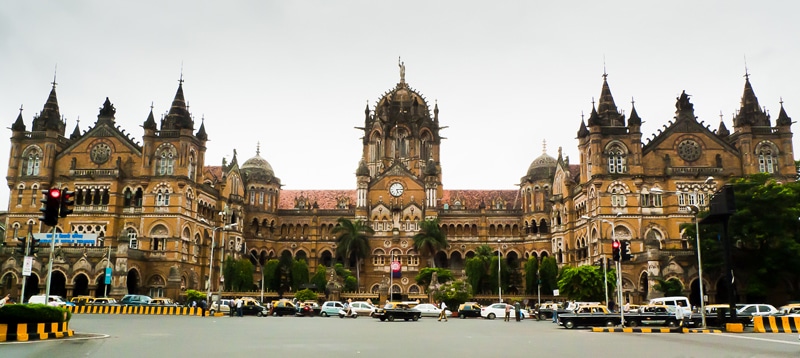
(585, 283)
(352, 240)
(430, 239)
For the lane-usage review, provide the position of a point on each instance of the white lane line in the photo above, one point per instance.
(757, 339)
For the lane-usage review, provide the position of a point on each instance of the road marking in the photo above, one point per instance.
(757, 339)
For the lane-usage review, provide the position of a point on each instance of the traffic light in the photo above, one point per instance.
(615, 248)
(625, 251)
(23, 244)
(34, 246)
(67, 201)
(51, 203)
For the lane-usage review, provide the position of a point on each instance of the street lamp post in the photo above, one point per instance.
(696, 210)
(261, 267)
(605, 262)
(222, 260)
(499, 279)
(619, 270)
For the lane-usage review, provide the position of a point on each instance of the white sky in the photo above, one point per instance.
(296, 75)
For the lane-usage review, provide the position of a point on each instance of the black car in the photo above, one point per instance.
(469, 309)
(396, 310)
(283, 308)
(253, 308)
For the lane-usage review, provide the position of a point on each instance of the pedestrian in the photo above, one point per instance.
(3, 301)
(239, 302)
(555, 313)
(232, 307)
(442, 313)
(508, 313)
(518, 310)
(679, 315)
(203, 306)
(627, 306)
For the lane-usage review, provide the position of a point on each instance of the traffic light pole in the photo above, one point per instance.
(50, 265)
(25, 278)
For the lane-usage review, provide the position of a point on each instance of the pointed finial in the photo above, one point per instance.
(55, 72)
(544, 146)
(258, 148)
(746, 74)
(720, 116)
(180, 80)
(581, 116)
(781, 102)
(605, 74)
(20, 107)
(151, 106)
(632, 101)
(78, 120)
(592, 102)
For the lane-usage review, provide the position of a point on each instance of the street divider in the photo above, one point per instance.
(23, 332)
(142, 310)
(775, 324)
(653, 330)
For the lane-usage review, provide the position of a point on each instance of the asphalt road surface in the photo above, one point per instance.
(176, 336)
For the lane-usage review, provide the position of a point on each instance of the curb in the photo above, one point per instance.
(142, 310)
(23, 332)
(653, 330)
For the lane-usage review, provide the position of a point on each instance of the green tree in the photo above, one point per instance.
(477, 269)
(504, 274)
(272, 275)
(352, 241)
(531, 275)
(319, 280)
(193, 295)
(299, 274)
(583, 283)
(670, 287)
(424, 277)
(548, 273)
(238, 274)
(454, 293)
(430, 239)
(305, 295)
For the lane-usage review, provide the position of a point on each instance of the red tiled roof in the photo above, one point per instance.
(213, 173)
(471, 199)
(575, 172)
(325, 199)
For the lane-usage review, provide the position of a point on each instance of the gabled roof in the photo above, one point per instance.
(104, 127)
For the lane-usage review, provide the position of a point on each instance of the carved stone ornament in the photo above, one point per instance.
(100, 153)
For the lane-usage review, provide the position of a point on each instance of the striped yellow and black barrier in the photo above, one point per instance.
(636, 330)
(698, 330)
(776, 324)
(10, 332)
(139, 310)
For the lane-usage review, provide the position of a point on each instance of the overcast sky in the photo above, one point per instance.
(296, 75)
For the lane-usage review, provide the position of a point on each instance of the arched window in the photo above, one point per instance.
(617, 196)
(166, 160)
(767, 158)
(616, 159)
(31, 160)
(133, 242)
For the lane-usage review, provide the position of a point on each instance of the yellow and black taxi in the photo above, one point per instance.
(397, 310)
(283, 308)
(469, 309)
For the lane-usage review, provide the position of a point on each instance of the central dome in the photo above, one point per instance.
(542, 167)
(258, 164)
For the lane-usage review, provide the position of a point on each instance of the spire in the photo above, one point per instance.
(544, 146)
(178, 116)
(201, 133)
(150, 123)
(723, 130)
(582, 131)
(783, 118)
(634, 119)
(594, 118)
(19, 124)
(606, 107)
(107, 111)
(77, 132)
(750, 113)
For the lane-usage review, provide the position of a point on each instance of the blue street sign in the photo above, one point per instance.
(108, 275)
(68, 238)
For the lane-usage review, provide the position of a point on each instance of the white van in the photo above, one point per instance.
(675, 301)
(57, 300)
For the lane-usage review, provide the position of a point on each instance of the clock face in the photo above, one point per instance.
(396, 189)
(689, 150)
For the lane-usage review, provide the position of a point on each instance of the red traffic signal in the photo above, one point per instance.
(55, 193)
(615, 248)
(67, 201)
(51, 205)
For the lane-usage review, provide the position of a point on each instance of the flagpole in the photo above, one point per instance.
(391, 276)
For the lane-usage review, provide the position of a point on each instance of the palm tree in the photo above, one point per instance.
(352, 240)
(430, 238)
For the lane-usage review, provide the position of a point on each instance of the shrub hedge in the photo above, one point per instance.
(33, 313)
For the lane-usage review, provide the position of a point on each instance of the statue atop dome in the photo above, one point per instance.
(402, 66)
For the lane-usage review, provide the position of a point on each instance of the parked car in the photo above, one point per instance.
(397, 310)
(162, 301)
(431, 310)
(757, 309)
(469, 309)
(679, 301)
(284, 308)
(785, 309)
(363, 308)
(56, 300)
(104, 301)
(652, 315)
(82, 300)
(499, 309)
(224, 306)
(330, 308)
(135, 300)
(253, 308)
(589, 316)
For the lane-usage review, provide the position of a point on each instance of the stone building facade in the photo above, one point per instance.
(160, 208)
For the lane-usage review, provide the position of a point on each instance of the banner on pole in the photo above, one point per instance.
(27, 265)
(396, 269)
(108, 275)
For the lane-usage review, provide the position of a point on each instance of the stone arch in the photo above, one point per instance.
(413, 289)
(134, 281)
(440, 259)
(58, 283)
(80, 284)
(644, 286)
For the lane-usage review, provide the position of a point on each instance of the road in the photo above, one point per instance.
(138, 336)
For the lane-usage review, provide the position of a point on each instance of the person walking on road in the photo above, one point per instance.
(508, 313)
(239, 303)
(518, 310)
(442, 314)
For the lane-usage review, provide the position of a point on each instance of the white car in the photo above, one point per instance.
(757, 310)
(431, 310)
(499, 310)
(363, 308)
